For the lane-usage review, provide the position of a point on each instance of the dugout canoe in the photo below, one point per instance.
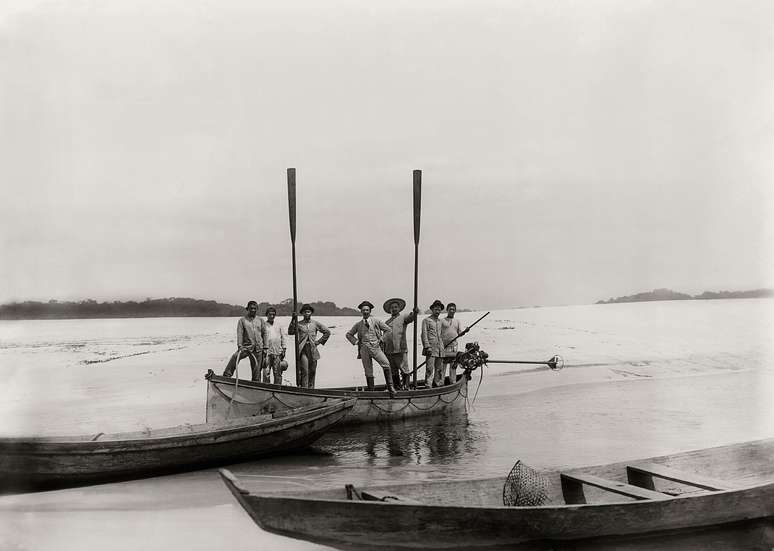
(659, 496)
(54, 462)
(227, 400)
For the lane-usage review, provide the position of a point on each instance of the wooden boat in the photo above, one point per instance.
(661, 495)
(228, 399)
(50, 462)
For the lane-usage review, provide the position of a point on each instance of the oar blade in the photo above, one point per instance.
(417, 203)
(292, 202)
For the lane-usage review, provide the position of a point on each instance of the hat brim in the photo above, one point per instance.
(388, 303)
(365, 303)
(437, 303)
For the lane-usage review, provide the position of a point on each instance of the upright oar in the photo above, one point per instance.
(417, 216)
(292, 214)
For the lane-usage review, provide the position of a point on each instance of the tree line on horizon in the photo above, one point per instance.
(152, 308)
(668, 294)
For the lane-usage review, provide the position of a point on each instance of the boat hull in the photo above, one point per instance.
(228, 400)
(46, 463)
(450, 520)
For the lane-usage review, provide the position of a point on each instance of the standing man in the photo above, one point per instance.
(275, 347)
(308, 342)
(251, 333)
(395, 347)
(371, 333)
(451, 330)
(432, 345)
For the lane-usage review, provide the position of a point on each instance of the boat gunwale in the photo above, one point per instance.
(565, 506)
(52, 445)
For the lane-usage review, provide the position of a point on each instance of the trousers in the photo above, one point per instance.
(256, 361)
(273, 369)
(368, 353)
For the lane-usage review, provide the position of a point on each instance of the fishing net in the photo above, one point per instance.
(525, 487)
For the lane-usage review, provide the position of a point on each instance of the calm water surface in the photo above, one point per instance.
(640, 380)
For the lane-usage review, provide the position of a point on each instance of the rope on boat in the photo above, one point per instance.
(409, 402)
(480, 380)
(371, 402)
(259, 404)
(236, 373)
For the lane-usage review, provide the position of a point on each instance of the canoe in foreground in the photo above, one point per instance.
(661, 495)
(253, 398)
(45, 463)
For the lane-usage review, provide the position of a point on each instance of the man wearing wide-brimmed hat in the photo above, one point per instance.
(308, 342)
(371, 333)
(432, 345)
(395, 347)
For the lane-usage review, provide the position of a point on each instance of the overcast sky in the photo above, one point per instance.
(571, 151)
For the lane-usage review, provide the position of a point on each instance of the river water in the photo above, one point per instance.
(640, 380)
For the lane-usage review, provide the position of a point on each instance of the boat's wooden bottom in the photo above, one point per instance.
(35, 464)
(229, 399)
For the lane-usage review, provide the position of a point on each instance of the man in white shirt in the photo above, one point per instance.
(275, 348)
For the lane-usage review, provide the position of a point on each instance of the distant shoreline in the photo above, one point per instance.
(152, 308)
(668, 294)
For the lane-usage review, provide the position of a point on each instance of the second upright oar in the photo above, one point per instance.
(292, 214)
(417, 215)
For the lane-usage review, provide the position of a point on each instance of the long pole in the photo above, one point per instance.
(292, 214)
(454, 339)
(417, 217)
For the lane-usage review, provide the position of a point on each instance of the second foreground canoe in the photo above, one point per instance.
(228, 399)
(54, 462)
(661, 495)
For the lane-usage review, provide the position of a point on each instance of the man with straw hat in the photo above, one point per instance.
(395, 347)
(371, 333)
(433, 346)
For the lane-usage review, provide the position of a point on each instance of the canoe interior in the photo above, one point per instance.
(470, 514)
(741, 465)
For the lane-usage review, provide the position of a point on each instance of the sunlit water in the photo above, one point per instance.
(640, 380)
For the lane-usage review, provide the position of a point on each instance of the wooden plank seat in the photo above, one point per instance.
(641, 474)
(372, 495)
(572, 488)
(375, 495)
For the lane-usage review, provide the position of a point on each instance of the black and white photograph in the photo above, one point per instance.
(383, 275)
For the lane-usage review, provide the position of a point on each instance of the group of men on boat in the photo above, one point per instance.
(263, 342)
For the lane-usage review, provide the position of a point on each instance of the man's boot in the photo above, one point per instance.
(406, 380)
(388, 381)
(396, 379)
(370, 383)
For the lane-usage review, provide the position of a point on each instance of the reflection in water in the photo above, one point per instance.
(440, 440)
